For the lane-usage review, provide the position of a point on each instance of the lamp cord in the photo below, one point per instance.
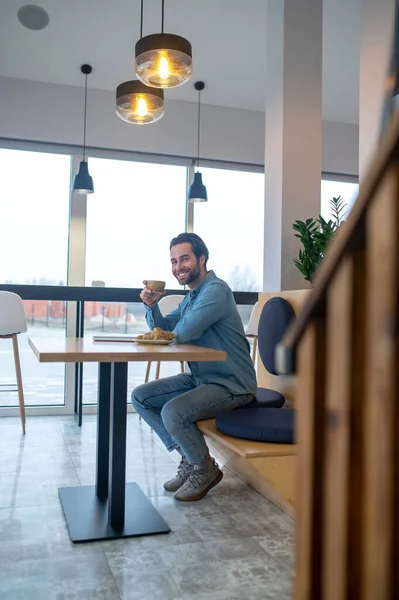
(163, 15)
(84, 125)
(141, 19)
(199, 129)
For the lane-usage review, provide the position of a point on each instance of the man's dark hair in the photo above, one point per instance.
(198, 246)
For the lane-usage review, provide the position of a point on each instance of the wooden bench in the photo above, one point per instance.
(268, 468)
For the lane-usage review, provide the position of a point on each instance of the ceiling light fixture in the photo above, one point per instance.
(139, 104)
(163, 60)
(197, 191)
(83, 182)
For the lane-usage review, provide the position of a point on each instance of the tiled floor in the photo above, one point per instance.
(232, 545)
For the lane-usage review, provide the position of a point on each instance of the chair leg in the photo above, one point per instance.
(182, 366)
(254, 348)
(147, 373)
(19, 381)
(158, 370)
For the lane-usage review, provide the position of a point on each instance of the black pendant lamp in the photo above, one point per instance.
(139, 104)
(163, 60)
(83, 182)
(197, 191)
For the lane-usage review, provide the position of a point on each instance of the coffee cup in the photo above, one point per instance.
(155, 286)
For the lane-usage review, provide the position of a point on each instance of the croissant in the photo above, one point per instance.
(157, 334)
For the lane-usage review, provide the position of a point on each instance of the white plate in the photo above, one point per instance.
(154, 342)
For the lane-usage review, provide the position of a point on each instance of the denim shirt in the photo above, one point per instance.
(208, 317)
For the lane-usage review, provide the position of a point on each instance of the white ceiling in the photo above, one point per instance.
(228, 38)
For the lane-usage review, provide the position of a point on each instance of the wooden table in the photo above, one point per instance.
(112, 508)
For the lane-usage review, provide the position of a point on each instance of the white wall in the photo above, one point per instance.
(340, 143)
(54, 113)
(377, 20)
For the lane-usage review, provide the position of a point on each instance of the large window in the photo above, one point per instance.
(231, 224)
(124, 238)
(332, 189)
(34, 221)
(34, 209)
(136, 210)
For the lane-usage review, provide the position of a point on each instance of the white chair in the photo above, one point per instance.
(13, 322)
(252, 329)
(166, 305)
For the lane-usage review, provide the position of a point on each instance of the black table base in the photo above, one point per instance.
(87, 516)
(110, 509)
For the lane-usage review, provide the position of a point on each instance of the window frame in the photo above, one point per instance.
(78, 221)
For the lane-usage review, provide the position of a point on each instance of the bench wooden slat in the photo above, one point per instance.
(245, 448)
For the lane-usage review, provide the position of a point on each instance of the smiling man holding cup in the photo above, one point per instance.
(208, 317)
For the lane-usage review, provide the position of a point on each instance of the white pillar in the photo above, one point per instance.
(376, 28)
(293, 133)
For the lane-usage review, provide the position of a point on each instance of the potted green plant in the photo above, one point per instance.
(315, 236)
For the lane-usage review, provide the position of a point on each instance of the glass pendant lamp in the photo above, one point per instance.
(163, 60)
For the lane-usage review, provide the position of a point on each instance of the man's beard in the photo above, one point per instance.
(192, 276)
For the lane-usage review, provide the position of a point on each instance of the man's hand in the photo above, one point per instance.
(148, 296)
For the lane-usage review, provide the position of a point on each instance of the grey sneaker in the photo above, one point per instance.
(198, 483)
(183, 472)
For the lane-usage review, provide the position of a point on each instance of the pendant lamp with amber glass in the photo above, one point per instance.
(163, 60)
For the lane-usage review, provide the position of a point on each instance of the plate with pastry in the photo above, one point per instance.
(157, 337)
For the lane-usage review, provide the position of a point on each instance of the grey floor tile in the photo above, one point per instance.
(14, 439)
(129, 557)
(151, 486)
(193, 554)
(143, 585)
(204, 517)
(38, 532)
(232, 545)
(181, 533)
(249, 592)
(217, 526)
(281, 589)
(280, 545)
(223, 575)
(35, 459)
(65, 578)
(86, 476)
(34, 488)
(256, 521)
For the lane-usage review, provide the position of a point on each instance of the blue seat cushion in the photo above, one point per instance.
(265, 398)
(269, 398)
(274, 425)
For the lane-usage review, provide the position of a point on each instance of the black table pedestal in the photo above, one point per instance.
(87, 516)
(110, 509)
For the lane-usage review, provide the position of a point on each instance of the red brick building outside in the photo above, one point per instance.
(43, 309)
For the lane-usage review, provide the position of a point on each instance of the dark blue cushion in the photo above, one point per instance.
(265, 398)
(269, 398)
(264, 425)
(274, 320)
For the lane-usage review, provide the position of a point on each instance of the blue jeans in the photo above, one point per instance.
(171, 406)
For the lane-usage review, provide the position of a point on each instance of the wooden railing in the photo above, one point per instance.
(344, 349)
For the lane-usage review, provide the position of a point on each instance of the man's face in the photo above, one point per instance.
(185, 266)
